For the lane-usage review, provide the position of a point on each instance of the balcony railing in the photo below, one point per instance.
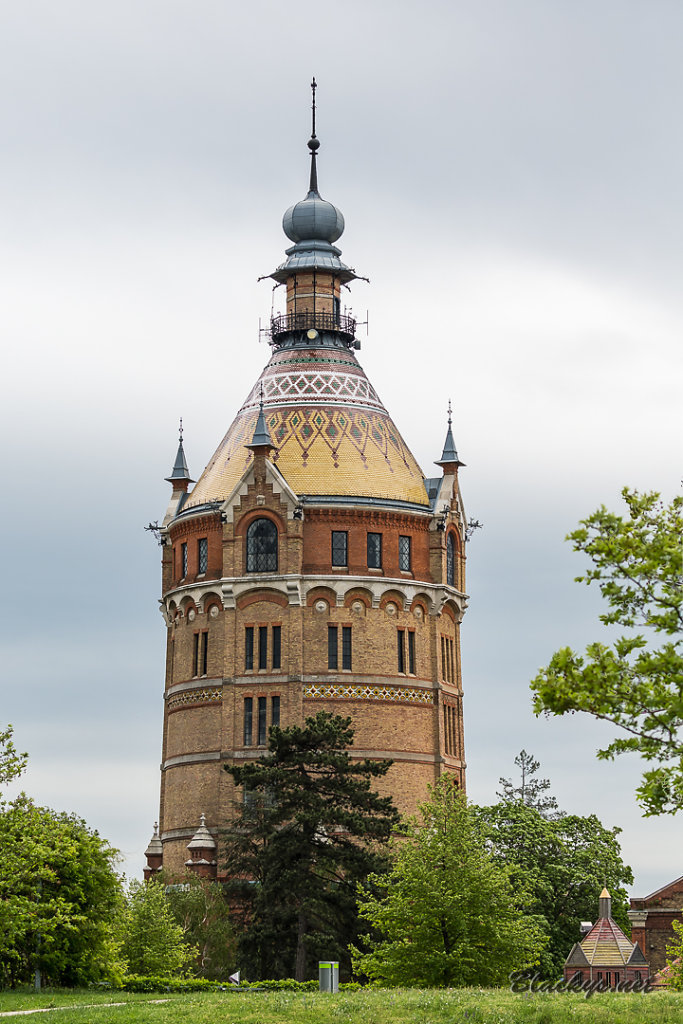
(309, 320)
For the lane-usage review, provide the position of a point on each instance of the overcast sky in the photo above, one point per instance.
(510, 176)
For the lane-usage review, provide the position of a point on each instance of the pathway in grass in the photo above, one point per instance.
(71, 1006)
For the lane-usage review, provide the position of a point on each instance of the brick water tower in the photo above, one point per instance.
(311, 567)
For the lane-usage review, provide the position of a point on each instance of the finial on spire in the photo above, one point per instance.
(313, 145)
(449, 455)
(261, 436)
(180, 474)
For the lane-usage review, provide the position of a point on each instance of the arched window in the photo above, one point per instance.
(262, 546)
(450, 560)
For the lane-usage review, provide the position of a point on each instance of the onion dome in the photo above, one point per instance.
(313, 219)
(313, 224)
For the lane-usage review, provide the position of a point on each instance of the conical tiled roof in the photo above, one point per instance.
(332, 434)
(606, 944)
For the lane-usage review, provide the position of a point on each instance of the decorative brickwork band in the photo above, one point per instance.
(212, 696)
(391, 694)
(305, 387)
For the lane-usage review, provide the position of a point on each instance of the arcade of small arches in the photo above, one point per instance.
(421, 598)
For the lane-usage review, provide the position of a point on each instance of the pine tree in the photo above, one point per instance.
(309, 829)
(530, 791)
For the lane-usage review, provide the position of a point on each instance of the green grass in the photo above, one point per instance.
(370, 1006)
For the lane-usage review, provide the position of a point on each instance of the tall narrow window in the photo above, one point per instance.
(261, 721)
(374, 551)
(195, 655)
(450, 561)
(205, 652)
(263, 647)
(202, 554)
(262, 546)
(401, 650)
(404, 560)
(346, 647)
(340, 548)
(183, 558)
(249, 648)
(332, 640)
(411, 652)
(248, 717)
(274, 710)
(277, 647)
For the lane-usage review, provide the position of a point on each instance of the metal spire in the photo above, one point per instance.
(449, 454)
(261, 436)
(313, 145)
(180, 470)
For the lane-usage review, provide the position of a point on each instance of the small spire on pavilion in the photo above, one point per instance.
(154, 855)
(261, 438)
(180, 473)
(449, 456)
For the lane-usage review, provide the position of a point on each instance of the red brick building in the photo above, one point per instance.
(313, 566)
(652, 919)
(604, 954)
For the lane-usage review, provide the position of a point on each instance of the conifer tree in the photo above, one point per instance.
(530, 791)
(309, 829)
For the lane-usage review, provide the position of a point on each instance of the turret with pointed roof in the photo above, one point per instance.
(605, 954)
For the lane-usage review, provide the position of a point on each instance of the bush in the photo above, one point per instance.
(151, 983)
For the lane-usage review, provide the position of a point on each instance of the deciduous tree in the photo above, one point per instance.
(59, 891)
(563, 863)
(199, 906)
(446, 914)
(152, 942)
(636, 682)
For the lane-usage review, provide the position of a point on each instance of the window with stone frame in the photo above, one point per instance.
(401, 637)
(263, 647)
(183, 560)
(332, 647)
(450, 560)
(248, 720)
(346, 648)
(248, 648)
(277, 647)
(411, 652)
(374, 551)
(340, 548)
(202, 555)
(262, 726)
(262, 546)
(200, 653)
(404, 554)
(275, 710)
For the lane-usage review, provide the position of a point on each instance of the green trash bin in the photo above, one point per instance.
(328, 975)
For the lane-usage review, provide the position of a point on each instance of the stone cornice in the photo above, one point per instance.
(296, 588)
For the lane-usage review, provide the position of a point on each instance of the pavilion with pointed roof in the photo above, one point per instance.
(312, 566)
(605, 954)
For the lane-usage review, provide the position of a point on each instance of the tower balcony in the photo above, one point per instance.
(312, 320)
